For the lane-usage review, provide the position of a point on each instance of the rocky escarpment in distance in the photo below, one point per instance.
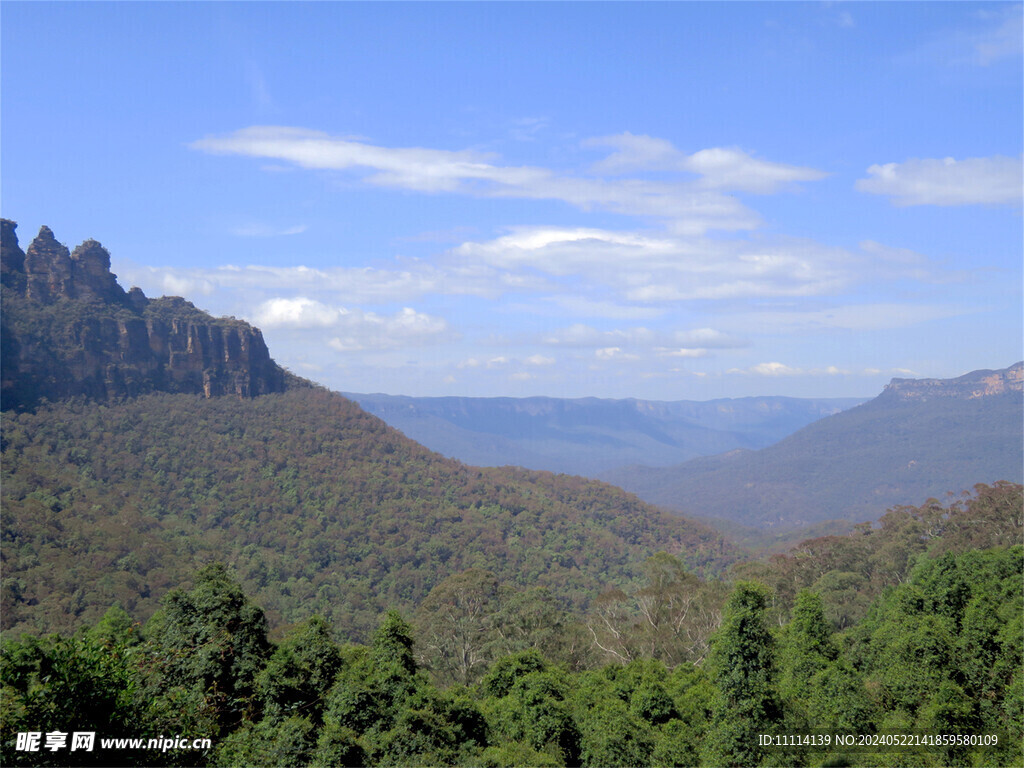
(919, 438)
(69, 329)
(970, 386)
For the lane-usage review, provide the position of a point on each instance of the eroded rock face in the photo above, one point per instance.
(69, 329)
(12, 258)
(972, 385)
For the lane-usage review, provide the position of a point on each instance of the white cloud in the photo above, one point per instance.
(527, 128)
(417, 168)
(707, 337)
(298, 312)
(540, 360)
(736, 170)
(774, 369)
(691, 205)
(359, 331)
(581, 335)
(563, 251)
(994, 180)
(996, 36)
(779, 369)
(682, 352)
(358, 284)
(644, 268)
(636, 153)
(902, 256)
(608, 294)
(258, 89)
(609, 344)
(171, 284)
(726, 168)
(1002, 41)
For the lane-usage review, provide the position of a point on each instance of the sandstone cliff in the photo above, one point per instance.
(969, 386)
(70, 330)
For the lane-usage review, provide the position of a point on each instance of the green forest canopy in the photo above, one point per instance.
(317, 506)
(941, 653)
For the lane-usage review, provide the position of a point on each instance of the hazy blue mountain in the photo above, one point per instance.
(918, 439)
(590, 435)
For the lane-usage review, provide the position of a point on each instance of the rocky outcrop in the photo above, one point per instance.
(967, 387)
(70, 330)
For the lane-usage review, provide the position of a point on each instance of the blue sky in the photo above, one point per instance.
(656, 200)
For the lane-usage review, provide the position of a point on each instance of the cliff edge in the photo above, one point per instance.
(69, 329)
(972, 385)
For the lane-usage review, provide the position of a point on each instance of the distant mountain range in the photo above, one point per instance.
(918, 439)
(589, 436)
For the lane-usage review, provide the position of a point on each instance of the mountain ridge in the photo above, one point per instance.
(588, 436)
(917, 439)
(974, 384)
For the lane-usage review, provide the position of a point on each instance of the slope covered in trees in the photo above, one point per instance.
(172, 438)
(486, 617)
(317, 505)
(936, 666)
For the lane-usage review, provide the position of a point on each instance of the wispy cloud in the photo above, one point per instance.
(361, 285)
(258, 89)
(658, 268)
(692, 247)
(994, 180)
(692, 205)
(779, 369)
(527, 128)
(574, 273)
(1003, 38)
(987, 38)
(366, 331)
(872, 316)
(776, 369)
(415, 168)
(717, 168)
(680, 343)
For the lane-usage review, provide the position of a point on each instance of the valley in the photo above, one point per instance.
(196, 540)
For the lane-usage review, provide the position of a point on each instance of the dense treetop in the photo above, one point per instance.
(319, 507)
(941, 655)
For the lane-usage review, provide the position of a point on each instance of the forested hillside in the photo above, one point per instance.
(188, 553)
(172, 438)
(932, 676)
(317, 505)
